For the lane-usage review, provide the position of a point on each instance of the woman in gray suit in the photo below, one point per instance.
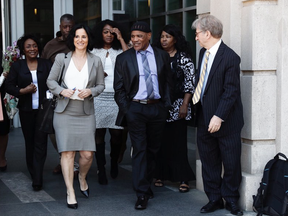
(74, 121)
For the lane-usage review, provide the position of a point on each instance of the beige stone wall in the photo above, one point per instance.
(257, 31)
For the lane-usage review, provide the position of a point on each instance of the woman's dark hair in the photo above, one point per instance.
(97, 32)
(21, 41)
(71, 35)
(181, 44)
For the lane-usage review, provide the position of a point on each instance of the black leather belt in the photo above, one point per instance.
(148, 101)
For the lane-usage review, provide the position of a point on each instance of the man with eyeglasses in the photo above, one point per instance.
(219, 116)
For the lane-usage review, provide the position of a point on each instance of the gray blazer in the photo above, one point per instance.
(95, 82)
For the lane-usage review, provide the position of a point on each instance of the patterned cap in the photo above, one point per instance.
(141, 26)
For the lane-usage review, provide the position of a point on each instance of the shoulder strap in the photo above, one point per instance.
(265, 178)
(61, 75)
(286, 179)
(265, 181)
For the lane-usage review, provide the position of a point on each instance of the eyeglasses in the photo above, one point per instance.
(196, 33)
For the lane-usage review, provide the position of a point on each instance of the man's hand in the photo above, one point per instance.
(215, 124)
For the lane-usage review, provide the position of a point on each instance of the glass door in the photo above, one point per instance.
(39, 19)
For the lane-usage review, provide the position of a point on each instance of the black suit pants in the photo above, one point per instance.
(145, 125)
(35, 145)
(215, 152)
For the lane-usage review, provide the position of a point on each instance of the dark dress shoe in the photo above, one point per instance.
(114, 169)
(141, 203)
(150, 194)
(3, 169)
(37, 187)
(233, 208)
(102, 179)
(212, 206)
(85, 193)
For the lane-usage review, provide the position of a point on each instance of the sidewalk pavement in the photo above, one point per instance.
(117, 198)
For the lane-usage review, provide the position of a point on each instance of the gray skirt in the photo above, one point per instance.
(106, 111)
(74, 130)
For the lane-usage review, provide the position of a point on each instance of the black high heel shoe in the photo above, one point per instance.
(72, 206)
(85, 192)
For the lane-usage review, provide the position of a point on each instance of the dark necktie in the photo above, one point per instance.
(147, 73)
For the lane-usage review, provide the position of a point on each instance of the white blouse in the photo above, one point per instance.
(108, 65)
(35, 96)
(75, 79)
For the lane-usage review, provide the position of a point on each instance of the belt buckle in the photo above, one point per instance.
(143, 101)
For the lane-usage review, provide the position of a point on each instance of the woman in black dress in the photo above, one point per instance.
(172, 162)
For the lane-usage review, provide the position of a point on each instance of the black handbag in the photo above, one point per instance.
(46, 111)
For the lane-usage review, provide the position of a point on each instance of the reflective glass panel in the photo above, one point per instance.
(130, 9)
(158, 6)
(176, 19)
(88, 12)
(143, 8)
(174, 4)
(190, 34)
(116, 4)
(39, 19)
(190, 3)
(1, 33)
(157, 24)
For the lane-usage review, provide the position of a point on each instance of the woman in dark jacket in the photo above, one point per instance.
(27, 81)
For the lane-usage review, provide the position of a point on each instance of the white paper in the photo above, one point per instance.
(49, 94)
(2, 78)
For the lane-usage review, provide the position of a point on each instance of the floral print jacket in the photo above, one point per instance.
(184, 76)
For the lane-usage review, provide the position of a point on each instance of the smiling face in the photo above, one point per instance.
(30, 49)
(108, 37)
(167, 41)
(140, 40)
(81, 39)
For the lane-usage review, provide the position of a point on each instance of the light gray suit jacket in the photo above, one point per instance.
(95, 81)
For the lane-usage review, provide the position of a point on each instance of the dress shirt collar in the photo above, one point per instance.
(149, 50)
(213, 50)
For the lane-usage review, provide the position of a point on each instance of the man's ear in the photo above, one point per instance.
(149, 35)
(208, 34)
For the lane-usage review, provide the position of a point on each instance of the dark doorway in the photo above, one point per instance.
(39, 19)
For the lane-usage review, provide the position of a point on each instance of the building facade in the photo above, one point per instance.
(255, 29)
